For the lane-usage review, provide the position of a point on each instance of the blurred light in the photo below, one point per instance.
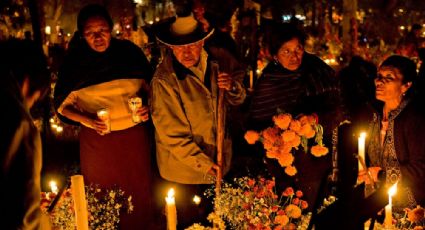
(157, 19)
(300, 17)
(286, 18)
(196, 200)
(59, 129)
(150, 22)
(51, 120)
(48, 30)
(400, 10)
(402, 28)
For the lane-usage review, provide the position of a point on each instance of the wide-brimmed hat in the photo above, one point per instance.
(182, 30)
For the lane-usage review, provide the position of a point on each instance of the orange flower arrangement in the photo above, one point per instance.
(252, 203)
(287, 134)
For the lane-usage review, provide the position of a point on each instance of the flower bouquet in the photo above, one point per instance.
(103, 205)
(253, 204)
(287, 134)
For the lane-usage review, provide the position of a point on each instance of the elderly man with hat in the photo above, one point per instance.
(184, 103)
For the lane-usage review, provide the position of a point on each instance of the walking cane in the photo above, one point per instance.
(220, 132)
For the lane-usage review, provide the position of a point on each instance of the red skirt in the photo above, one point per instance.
(121, 159)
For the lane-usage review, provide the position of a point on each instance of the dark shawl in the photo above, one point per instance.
(85, 67)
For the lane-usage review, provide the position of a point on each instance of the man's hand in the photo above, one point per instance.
(213, 170)
(224, 81)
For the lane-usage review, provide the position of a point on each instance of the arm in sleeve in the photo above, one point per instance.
(172, 127)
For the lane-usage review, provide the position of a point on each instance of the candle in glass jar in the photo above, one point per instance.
(170, 210)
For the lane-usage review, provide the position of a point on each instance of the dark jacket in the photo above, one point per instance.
(20, 161)
(409, 146)
(312, 88)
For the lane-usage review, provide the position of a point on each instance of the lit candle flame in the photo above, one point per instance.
(170, 196)
(196, 200)
(392, 191)
(53, 186)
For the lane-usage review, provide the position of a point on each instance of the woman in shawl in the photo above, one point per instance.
(395, 142)
(101, 72)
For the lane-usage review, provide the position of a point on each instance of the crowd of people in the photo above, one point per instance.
(173, 143)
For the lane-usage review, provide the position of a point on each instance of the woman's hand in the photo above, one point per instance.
(369, 176)
(225, 81)
(143, 113)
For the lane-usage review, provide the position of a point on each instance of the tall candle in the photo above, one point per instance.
(361, 150)
(80, 202)
(251, 79)
(388, 222)
(171, 211)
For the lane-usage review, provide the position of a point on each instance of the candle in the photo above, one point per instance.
(388, 209)
(196, 200)
(251, 79)
(80, 203)
(53, 187)
(171, 211)
(361, 150)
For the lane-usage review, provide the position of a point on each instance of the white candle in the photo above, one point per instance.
(251, 79)
(361, 150)
(53, 187)
(80, 202)
(171, 211)
(388, 222)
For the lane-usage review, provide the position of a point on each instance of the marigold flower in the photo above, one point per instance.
(304, 204)
(293, 211)
(271, 134)
(291, 170)
(282, 120)
(281, 220)
(272, 154)
(305, 128)
(270, 184)
(418, 228)
(296, 201)
(313, 119)
(295, 125)
(285, 148)
(275, 208)
(289, 191)
(251, 182)
(310, 134)
(285, 159)
(416, 215)
(319, 150)
(251, 137)
(296, 141)
(290, 226)
(288, 135)
(299, 193)
(267, 144)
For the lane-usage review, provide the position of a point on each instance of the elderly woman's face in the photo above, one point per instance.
(290, 54)
(389, 85)
(97, 33)
(188, 55)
